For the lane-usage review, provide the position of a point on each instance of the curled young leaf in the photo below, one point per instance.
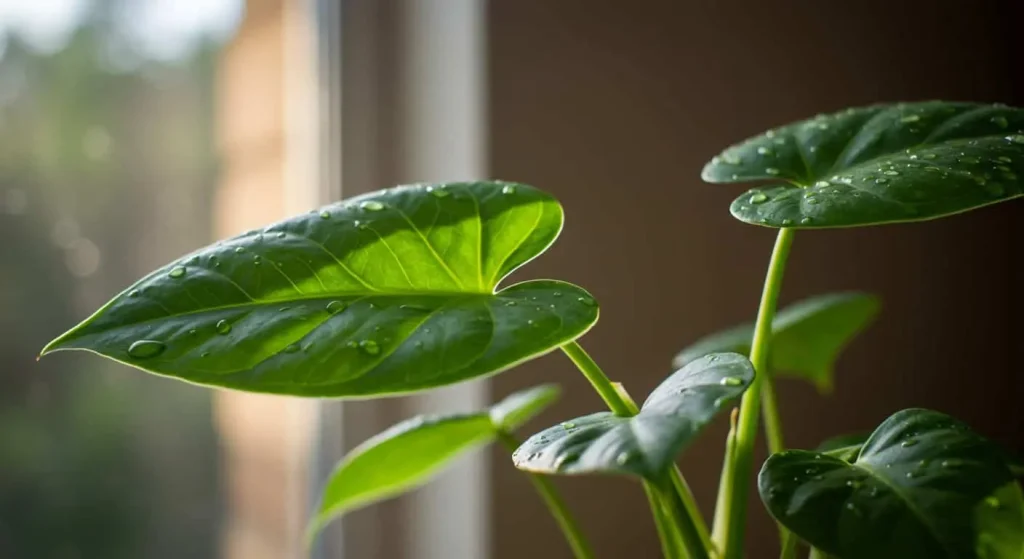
(878, 164)
(391, 292)
(915, 489)
(647, 443)
(410, 453)
(807, 336)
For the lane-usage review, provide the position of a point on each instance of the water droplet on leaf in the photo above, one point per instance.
(372, 206)
(223, 327)
(758, 198)
(335, 307)
(144, 349)
(730, 381)
(370, 347)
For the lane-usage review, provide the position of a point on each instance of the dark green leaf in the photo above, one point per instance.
(807, 336)
(408, 454)
(647, 443)
(387, 293)
(913, 491)
(878, 164)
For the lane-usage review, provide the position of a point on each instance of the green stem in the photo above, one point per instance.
(817, 554)
(736, 480)
(670, 548)
(695, 532)
(724, 488)
(789, 546)
(570, 529)
(604, 387)
(681, 519)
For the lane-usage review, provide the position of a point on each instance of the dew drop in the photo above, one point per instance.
(352, 344)
(335, 307)
(372, 206)
(730, 381)
(133, 293)
(764, 151)
(1000, 121)
(771, 171)
(291, 348)
(910, 118)
(239, 250)
(204, 354)
(719, 402)
(510, 303)
(758, 198)
(891, 173)
(731, 159)
(822, 184)
(622, 458)
(992, 502)
(370, 347)
(223, 327)
(1016, 138)
(177, 272)
(908, 443)
(588, 301)
(787, 222)
(568, 425)
(1004, 159)
(144, 349)
(912, 474)
(929, 156)
(852, 483)
(282, 235)
(853, 509)
(508, 189)
(325, 214)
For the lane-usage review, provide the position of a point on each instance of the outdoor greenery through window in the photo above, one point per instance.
(107, 168)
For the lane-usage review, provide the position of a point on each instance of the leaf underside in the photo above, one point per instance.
(914, 490)
(410, 453)
(645, 444)
(878, 164)
(387, 293)
(807, 336)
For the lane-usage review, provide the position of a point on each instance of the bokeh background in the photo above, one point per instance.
(133, 131)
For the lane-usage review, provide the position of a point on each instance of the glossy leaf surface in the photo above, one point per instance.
(807, 336)
(918, 488)
(387, 293)
(410, 453)
(878, 164)
(647, 443)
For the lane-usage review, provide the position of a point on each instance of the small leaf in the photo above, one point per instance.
(878, 164)
(410, 453)
(844, 447)
(387, 293)
(645, 444)
(913, 491)
(807, 336)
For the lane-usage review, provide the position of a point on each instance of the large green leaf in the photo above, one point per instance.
(389, 292)
(410, 453)
(647, 443)
(878, 164)
(807, 336)
(914, 490)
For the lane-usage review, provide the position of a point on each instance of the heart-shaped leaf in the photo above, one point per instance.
(409, 454)
(647, 443)
(914, 490)
(387, 293)
(807, 336)
(878, 164)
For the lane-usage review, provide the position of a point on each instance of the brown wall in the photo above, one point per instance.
(615, 106)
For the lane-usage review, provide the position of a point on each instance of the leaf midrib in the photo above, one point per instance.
(907, 501)
(359, 296)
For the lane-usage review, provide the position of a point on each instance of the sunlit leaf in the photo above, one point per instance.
(878, 164)
(386, 293)
(647, 443)
(914, 490)
(807, 336)
(410, 453)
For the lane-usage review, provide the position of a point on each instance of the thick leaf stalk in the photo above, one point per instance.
(736, 480)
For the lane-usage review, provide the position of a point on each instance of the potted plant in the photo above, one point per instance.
(402, 290)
